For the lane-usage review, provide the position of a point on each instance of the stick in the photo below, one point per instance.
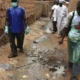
(2, 36)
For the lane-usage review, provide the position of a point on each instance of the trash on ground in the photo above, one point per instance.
(1, 70)
(48, 30)
(47, 75)
(25, 76)
(5, 66)
(41, 39)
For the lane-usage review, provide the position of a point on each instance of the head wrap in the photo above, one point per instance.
(61, 1)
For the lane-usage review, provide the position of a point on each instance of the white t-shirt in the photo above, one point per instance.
(60, 12)
(54, 7)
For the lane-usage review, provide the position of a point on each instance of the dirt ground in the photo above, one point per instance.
(44, 58)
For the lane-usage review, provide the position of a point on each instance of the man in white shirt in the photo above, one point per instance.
(54, 7)
(60, 16)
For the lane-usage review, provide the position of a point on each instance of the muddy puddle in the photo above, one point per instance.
(42, 62)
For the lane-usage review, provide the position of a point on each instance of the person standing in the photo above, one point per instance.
(72, 29)
(15, 27)
(54, 7)
(60, 16)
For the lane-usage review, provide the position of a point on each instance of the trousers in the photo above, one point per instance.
(16, 38)
(54, 26)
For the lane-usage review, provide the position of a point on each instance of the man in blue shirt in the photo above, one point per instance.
(15, 27)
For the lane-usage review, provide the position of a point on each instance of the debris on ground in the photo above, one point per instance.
(43, 61)
(25, 76)
(41, 39)
(4, 66)
(47, 75)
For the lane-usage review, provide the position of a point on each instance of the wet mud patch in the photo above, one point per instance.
(51, 57)
(50, 61)
(48, 56)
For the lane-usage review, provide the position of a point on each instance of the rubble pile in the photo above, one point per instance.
(51, 57)
(47, 56)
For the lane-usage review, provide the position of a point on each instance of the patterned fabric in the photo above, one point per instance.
(74, 40)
